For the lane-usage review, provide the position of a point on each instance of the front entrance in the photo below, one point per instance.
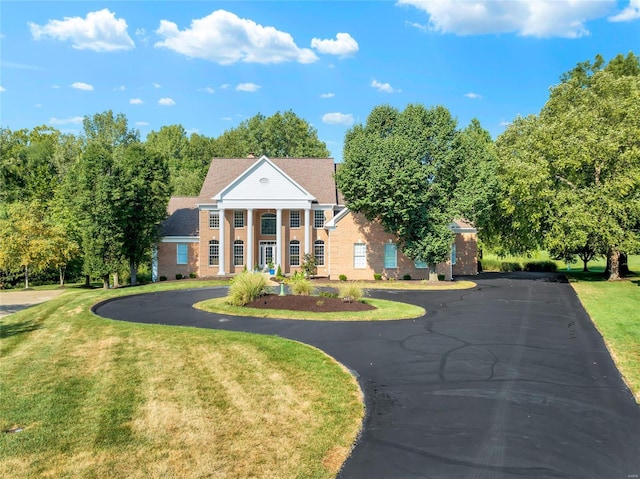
(267, 253)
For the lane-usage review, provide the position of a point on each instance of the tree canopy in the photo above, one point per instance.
(411, 171)
(570, 176)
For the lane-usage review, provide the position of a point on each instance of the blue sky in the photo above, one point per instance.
(210, 65)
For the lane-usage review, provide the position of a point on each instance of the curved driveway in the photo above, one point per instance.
(507, 380)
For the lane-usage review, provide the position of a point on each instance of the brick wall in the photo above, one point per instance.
(168, 257)
(354, 228)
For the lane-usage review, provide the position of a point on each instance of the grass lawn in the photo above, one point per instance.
(102, 398)
(386, 310)
(614, 307)
(413, 285)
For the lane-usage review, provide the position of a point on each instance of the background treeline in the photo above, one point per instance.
(90, 204)
(566, 180)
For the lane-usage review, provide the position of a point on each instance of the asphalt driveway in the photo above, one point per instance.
(507, 380)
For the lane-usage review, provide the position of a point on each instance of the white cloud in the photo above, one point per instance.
(207, 89)
(224, 86)
(142, 123)
(536, 18)
(143, 35)
(55, 87)
(327, 95)
(383, 87)
(345, 119)
(250, 87)
(166, 102)
(225, 38)
(82, 86)
(135, 101)
(630, 13)
(156, 85)
(120, 88)
(2, 88)
(344, 45)
(226, 118)
(473, 96)
(19, 66)
(76, 120)
(419, 26)
(99, 31)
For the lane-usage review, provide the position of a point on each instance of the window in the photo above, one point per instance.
(359, 255)
(238, 219)
(182, 253)
(318, 219)
(454, 253)
(390, 255)
(294, 253)
(214, 253)
(318, 252)
(419, 264)
(214, 219)
(268, 224)
(238, 253)
(294, 219)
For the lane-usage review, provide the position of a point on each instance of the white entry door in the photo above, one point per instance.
(267, 253)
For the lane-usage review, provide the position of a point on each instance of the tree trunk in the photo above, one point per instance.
(26, 277)
(613, 266)
(585, 269)
(624, 265)
(116, 280)
(133, 272)
(61, 272)
(433, 274)
(87, 281)
(105, 281)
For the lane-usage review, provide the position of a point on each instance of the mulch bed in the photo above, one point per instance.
(314, 304)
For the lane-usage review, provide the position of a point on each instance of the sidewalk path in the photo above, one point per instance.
(12, 301)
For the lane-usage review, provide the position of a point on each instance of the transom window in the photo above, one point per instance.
(238, 253)
(294, 253)
(318, 252)
(268, 224)
(359, 255)
(238, 219)
(390, 255)
(214, 253)
(182, 253)
(214, 219)
(318, 219)
(294, 219)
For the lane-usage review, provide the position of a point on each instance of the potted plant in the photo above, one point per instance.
(271, 267)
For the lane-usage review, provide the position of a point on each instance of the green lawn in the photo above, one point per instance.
(597, 265)
(385, 310)
(102, 398)
(614, 307)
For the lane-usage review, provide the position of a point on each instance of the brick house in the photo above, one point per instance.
(255, 212)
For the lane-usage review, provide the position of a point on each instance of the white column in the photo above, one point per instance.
(250, 239)
(307, 231)
(278, 238)
(222, 246)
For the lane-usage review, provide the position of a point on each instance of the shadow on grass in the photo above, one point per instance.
(9, 330)
(597, 276)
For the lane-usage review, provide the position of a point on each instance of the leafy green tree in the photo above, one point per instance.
(570, 176)
(405, 169)
(282, 135)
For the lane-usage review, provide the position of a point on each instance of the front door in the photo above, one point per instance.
(267, 253)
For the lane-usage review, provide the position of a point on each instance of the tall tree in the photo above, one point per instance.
(401, 169)
(571, 176)
(278, 136)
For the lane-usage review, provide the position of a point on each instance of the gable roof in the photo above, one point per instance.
(315, 175)
(182, 217)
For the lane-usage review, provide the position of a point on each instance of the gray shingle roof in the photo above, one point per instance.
(183, 217)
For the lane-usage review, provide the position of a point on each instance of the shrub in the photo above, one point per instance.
(407, 277)
(301, 286)
(489, 264)
(342, 277)
(441, 277)
(508, 266)
(308, 266)
(245, 288)
(163, 278)
(279, 272)
(178, 276)
(377, 276)
(350, 292)
(328, 294)
(192, 275)
(547, 266)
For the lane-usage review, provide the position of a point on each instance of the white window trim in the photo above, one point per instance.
(315, 216)
(214, 214)
(238, 243)
(275, 220)
(235, 218)
(357, 256)
(324, 252)
(299, 222)
(294, 243)
(217, 243)
(186, 246)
